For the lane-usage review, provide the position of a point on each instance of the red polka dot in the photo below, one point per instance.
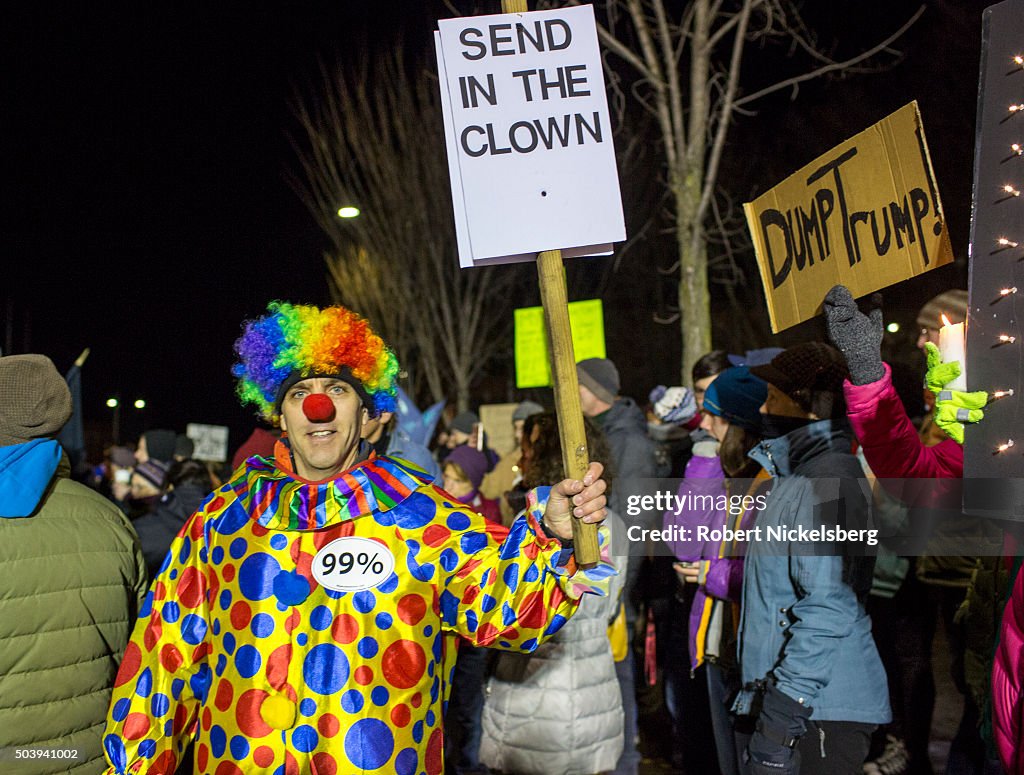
(215, 505)
(153, 631)
(228, 768)
(171, 658)
(277, 666)
(532, 614)
(417, 700)
(292, 621)
(258, 529)
(486, 634)
(291, 766)
(432, 758)
(195, 528)
(435, 535)
(201, 651)
(468, 568)
(247, 714)
(225, 693)
(263, 756)
(212, 586)
(411, 609)
(241, 615)
(228, 573)
(400, 715)
(304, 567)
(191, 588)
(363, 676)
(207, 719)
(324, 764)
(328, 725)
(129, 665)
(203, 756)
(135, 726)
(403, 663)
(180, 719)
(345, 628)
(165, 762)
(472, 593)
(159, 591)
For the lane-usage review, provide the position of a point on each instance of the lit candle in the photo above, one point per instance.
(953, 348)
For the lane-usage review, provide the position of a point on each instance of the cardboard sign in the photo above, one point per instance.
(528, 135)
(993, 459)
(531, 341)
(211, 441)
(867, 214)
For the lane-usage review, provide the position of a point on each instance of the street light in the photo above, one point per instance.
(112, 403)
(893, 328)
(348, 212)
(140, 403)
(115, 420)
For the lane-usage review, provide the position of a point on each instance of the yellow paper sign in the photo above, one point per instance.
(867, 214)
(531, 341)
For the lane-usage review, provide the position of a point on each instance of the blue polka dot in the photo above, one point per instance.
(222, 662)
(532, 574)
(428, 631)
(256, 576)
(325, 669)
(247, 661)
(430, 670)
(307, 707)
(320, 618)
(147, 748)
(262, 625)
(352, 701)
(383, 620)
(367, 647)
(471, 621)
(203, 555)
(449, 560)
(488, 603)
(144, 685)
(173, 574)
(416, 511)
(160, 704)
(116, 752)
(169, 727)
(406, 761)
(458, 521)
(302, 639)
(238, 548)
(430, 717)
(120, 710)
(232, 520)
(390, 585)
(239, 748)
(193, 629)
(369, 744)
(146, 610)
(305, 738)
(555, 624)
(291, 588)
(176, 687)
(417, 732)
(218, 740)
(508, 614)
(186, 549)
(218, 555)
(380, 695)
(472, 543)
(200, 682)
(511, 576)
(364, 601)
(279, 541)
(528, 645)
(225, 599)
(216, 627)
(170, 612)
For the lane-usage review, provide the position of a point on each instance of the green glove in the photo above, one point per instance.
(953, 408)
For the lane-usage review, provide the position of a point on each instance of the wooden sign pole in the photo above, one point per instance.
(555, 299)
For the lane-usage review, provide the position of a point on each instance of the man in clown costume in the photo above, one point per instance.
(302, 620)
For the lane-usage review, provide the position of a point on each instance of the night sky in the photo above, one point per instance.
(146, 212)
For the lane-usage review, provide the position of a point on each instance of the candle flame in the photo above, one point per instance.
(1007, 291)
(1006, 339)
(1018, 60)
(1006, 446)
(945, 320)
(1011, 190)
(1006, 243)
(1015, 147)
(1002, 393)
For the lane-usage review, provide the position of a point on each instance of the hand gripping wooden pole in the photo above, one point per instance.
(555, 299)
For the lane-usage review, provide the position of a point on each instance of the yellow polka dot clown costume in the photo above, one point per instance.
(300, 627)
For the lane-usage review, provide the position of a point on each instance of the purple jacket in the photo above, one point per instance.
(720, 577)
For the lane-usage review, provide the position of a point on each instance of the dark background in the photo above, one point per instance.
(145, 210)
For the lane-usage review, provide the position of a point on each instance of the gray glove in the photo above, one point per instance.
(857, 335)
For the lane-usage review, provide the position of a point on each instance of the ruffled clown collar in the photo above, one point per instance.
(277, 499)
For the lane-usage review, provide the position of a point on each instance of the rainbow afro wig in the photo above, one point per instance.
(294, 341)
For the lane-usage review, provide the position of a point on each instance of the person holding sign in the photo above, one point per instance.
(303, 618)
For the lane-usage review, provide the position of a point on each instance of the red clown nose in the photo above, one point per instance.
(318, 407)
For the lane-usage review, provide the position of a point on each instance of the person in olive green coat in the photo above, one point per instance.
(72, 582)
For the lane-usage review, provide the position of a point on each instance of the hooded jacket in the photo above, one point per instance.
(307, 626)
(803, 622)
(73, 583)
(158, 528)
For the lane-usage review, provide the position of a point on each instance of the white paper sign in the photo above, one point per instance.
(352, 564)
(528, 135)
(211, 441)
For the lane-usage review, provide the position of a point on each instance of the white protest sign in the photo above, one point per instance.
(528, 135)
(211, 441)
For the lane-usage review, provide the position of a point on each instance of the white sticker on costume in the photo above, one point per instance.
(352, 564)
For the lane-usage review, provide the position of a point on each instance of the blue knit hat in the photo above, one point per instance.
(736, 395)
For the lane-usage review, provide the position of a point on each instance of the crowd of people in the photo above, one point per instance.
(351, 595)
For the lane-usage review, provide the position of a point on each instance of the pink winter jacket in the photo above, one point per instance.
(1007, 674)
(890, 441)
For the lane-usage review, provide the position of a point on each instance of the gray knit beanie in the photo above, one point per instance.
(600, 377)
(35, 401)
